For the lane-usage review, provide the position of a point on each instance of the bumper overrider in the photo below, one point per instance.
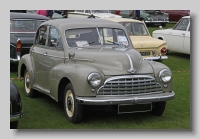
(129, 99)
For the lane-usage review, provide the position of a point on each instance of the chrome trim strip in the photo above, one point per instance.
(128, 77)
(156, 21)
(105, 100)
(131, 70)
(21, 32)
(155, 58)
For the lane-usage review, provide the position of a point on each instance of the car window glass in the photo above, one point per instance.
(24, 25)
(79, 10)
(135, 29)
(91, 37)
(182, 25)
(41, 35)
(54, 39)
(87, 11)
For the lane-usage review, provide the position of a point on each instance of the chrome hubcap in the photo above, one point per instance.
(27, 83)
(69, 103)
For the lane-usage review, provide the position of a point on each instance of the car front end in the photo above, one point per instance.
(155, 17)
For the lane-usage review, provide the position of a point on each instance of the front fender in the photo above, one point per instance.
(77, 74)
(157, 66)
(26, 63)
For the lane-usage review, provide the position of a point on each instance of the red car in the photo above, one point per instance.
(176, 15)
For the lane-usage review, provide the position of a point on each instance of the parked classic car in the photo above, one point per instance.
(74, 62)
(96, 13)
(22, 31)
(150, 17)
(149, 47)
(177, 38)
(176, 15)
(15, 106)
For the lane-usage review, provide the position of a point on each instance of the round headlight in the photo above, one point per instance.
(94, 79)
(165, 75)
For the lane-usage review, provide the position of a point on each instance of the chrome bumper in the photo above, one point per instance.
(13, 60)
(156, 21)
(16, 117)
(156, 58)
(131, 99)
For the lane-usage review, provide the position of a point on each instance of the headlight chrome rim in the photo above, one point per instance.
(163, 77)
(94, 79)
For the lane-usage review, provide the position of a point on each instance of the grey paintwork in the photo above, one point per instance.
(47, 70)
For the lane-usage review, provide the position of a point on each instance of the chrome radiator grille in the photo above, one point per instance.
(145, 53)
(129, 85)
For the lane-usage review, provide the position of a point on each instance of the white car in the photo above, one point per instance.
(177, 38)
(96, 13)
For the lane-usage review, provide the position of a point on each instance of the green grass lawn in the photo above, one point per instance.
(43, 112)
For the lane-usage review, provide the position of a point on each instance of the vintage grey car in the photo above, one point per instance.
(92, 62)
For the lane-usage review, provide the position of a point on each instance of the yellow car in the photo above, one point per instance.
(149, 47)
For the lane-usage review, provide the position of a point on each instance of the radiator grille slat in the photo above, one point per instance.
(129, 85)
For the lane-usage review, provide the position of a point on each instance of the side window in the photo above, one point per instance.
(54, 39)
(41, 36)
(182, 25)
(87, 11)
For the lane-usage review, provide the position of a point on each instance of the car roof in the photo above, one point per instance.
(69, 23)
(14, 15)
(123, 20)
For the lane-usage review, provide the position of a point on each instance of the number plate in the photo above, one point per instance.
(129, 108)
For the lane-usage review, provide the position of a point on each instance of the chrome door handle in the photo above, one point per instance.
(183, 34)
(45, 54)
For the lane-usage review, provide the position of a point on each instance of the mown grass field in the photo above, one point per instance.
(44, 113)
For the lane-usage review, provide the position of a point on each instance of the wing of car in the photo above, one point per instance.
(177, 38)
(84, 61)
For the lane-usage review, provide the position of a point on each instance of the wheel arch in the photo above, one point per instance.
(61, 88)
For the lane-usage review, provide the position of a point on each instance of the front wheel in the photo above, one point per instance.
(73, 110)
(30, 92)
(159, 108)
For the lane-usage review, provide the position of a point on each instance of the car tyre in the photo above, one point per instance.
(73, 110)
(159, 108)
(30, 92)
(14, 125)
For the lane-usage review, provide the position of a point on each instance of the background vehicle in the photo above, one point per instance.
(22, 31)
(150, 17)
(149, 47)
(177, 38)
(176, 15)
(96, 13)
(15, 106)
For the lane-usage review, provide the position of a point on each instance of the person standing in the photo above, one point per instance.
(49, 13)
(42, 12)
(134, 14)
